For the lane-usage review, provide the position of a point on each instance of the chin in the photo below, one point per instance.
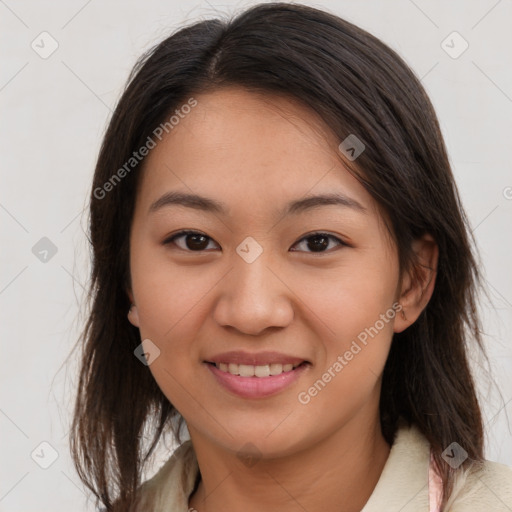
(259, 444)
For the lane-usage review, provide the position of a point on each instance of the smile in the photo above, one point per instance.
(248, 370)
(256, 381)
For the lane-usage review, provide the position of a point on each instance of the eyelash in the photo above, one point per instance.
(183, 233)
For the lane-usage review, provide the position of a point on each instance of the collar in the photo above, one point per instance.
(403, 484)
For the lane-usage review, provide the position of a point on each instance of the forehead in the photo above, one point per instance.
(257, 150)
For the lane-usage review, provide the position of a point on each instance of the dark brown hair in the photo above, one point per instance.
(357, 85)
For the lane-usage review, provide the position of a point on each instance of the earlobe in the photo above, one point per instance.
(418, 283)
(133, 315)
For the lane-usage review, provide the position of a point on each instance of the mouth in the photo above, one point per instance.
(257, 381)
(257, 371)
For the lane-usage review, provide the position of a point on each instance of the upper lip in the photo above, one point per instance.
(256, 359)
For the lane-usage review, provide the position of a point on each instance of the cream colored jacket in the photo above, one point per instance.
(403, 485)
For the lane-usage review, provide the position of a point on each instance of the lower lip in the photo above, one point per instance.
(257, 387)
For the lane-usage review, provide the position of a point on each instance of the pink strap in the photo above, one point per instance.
(435, 486)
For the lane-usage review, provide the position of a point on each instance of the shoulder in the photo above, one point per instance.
(404, 483)
(487, 486)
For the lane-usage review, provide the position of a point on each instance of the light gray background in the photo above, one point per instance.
(54, 112)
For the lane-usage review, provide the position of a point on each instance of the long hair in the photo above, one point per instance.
(358, 85)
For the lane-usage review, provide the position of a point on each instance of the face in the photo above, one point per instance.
(258, 281)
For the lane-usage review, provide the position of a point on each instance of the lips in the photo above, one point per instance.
(254, 382)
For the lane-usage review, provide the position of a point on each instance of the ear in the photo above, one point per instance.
(133, 315)
(418, 282)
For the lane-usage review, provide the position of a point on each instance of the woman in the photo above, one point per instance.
(281, 263)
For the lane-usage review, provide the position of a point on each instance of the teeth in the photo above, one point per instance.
(245, 370)
(248, 370)
(262, 371)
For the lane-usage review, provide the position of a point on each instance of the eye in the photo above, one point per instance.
(318, 241)
(194, 241)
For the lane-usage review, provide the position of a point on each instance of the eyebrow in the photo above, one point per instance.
(206, 204)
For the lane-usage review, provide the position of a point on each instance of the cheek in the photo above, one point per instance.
(168, 297)
(351, 297)
(354, 352)
(172, 305)
(355, 305)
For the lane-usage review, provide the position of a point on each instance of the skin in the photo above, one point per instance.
(256, 153)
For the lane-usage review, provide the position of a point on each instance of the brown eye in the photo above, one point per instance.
(193, 241)
(318, 242)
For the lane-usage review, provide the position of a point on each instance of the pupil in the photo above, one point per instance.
(197, 244)
(321, 243)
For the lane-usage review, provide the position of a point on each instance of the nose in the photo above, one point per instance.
(254, 297)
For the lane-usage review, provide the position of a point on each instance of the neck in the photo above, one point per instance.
(337, 473)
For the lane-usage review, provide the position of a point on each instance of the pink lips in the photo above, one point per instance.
(256, 387)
